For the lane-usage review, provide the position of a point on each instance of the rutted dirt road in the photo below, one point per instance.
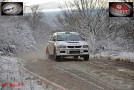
(96, 74)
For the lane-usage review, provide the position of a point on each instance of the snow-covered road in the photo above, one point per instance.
(43, 74)
(96, 74)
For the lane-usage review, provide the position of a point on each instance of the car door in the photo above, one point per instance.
(51, 45)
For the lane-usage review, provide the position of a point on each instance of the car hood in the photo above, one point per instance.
(71, 43)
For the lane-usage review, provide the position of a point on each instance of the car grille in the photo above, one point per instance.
(74, 52)
(74, 46)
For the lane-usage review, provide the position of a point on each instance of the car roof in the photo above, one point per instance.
(59, 33)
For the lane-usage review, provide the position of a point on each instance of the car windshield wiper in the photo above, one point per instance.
(60, 40)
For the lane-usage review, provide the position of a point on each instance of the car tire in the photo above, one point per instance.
(86, 57)
(58, 58)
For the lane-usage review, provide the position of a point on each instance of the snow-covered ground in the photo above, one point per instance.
(125, 56)
(12, 73)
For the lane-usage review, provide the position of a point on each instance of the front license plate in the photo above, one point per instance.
(74, 49)
(74, 52)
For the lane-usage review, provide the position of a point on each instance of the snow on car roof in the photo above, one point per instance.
(59, 33)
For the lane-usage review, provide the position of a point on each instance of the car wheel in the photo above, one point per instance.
(58, 58)
(47, 54)
(86, 57)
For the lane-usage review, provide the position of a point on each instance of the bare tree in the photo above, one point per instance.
(85, 17)
(34, 17)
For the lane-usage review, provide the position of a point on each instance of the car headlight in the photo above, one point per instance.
(85, 46)
(61, 46)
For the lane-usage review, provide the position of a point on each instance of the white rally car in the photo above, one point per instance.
(63, 44)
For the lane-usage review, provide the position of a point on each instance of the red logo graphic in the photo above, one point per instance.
(3, 85)
(121, 9)
(12, 85)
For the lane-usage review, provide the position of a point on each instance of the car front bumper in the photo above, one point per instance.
(72, 51)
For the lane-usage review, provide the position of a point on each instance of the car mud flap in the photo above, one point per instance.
(54, 53)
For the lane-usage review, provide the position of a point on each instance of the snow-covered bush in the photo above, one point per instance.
(36, 20)
(24, 32)
(15, 31)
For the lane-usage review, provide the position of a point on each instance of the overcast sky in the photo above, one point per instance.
(47, 5)
(31, 2)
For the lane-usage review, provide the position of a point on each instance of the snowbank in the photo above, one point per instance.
(126, 56)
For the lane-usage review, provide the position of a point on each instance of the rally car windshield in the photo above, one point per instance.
(69, 37)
